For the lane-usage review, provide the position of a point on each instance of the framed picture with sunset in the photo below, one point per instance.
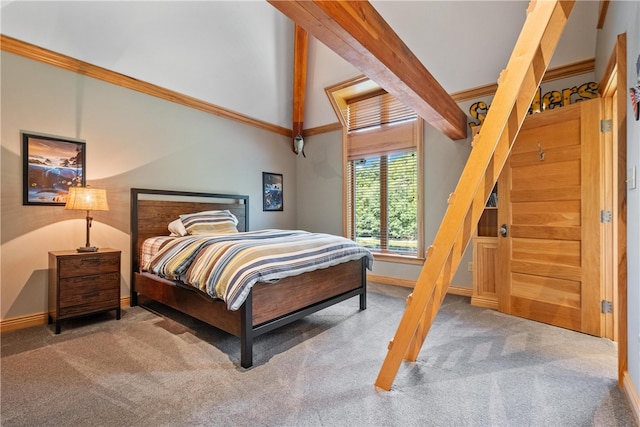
(51, 165)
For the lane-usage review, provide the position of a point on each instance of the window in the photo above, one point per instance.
(385, 202)
(383, 170)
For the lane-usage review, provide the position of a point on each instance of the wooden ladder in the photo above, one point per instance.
(517, 85)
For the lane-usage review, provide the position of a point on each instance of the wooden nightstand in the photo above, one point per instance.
(82, 283)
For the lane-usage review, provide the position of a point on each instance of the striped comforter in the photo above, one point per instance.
(226, 266)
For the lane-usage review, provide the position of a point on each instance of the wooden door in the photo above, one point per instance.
(549, 201)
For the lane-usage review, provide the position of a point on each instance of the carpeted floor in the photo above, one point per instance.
(477, 368)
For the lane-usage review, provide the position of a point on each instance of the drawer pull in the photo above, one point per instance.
(92, 277)
(91, 261)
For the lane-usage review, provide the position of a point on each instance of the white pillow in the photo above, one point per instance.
(176, 228)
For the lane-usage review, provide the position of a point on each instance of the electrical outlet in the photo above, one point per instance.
(470, 266)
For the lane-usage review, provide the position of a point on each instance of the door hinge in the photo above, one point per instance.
(606, 125)
(605, 216)
(606, 307)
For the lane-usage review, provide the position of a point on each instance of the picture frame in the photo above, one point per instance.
(50, 165)
(272, 192)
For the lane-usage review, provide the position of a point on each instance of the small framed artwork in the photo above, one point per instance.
(634, 93)
(272, 191)
(50, 165)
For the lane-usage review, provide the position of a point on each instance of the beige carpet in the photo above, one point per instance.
(477, 368)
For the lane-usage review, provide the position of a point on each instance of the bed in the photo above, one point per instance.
(266, 306)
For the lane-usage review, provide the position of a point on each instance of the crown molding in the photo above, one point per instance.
(27, 50)
(569, 70)
(36, 53)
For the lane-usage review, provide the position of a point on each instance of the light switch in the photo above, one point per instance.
(631, 178)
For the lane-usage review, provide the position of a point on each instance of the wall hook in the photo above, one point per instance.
(540, 152)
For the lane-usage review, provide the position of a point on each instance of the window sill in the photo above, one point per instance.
(400, 259)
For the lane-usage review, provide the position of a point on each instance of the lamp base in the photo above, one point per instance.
(87, 249)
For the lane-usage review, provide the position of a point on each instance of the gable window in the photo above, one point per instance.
(383, 171)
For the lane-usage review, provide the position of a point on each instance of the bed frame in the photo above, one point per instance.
(267, 307)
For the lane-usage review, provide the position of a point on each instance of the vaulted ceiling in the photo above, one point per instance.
(239, 54)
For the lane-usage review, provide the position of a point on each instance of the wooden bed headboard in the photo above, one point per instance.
(153, 210)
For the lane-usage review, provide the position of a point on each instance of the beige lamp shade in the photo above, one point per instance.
(87, 199)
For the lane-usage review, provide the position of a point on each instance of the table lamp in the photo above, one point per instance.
(87, 199)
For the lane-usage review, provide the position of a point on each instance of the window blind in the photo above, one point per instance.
(380, 109)
(379, 124)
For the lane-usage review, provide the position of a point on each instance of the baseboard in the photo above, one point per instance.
(405, 283)
(485, 302)
(22, 322)
(125, 302)
(632, 395)
(31, 320)
(462, 291)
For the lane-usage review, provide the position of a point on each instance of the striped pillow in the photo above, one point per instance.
(208, 222)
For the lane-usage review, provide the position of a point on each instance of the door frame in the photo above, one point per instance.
(612, 89)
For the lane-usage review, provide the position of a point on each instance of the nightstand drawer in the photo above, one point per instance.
(75, 290)
(90, 303)
(99, 263)
(88, 294)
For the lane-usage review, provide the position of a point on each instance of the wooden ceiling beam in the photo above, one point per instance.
(300, 44)
(357, 32)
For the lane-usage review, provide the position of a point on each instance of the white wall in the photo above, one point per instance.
(237, 54)
(132, 140)
(319, 184)
(624, 17)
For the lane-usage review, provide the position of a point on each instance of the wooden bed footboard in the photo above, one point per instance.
(268, 306)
